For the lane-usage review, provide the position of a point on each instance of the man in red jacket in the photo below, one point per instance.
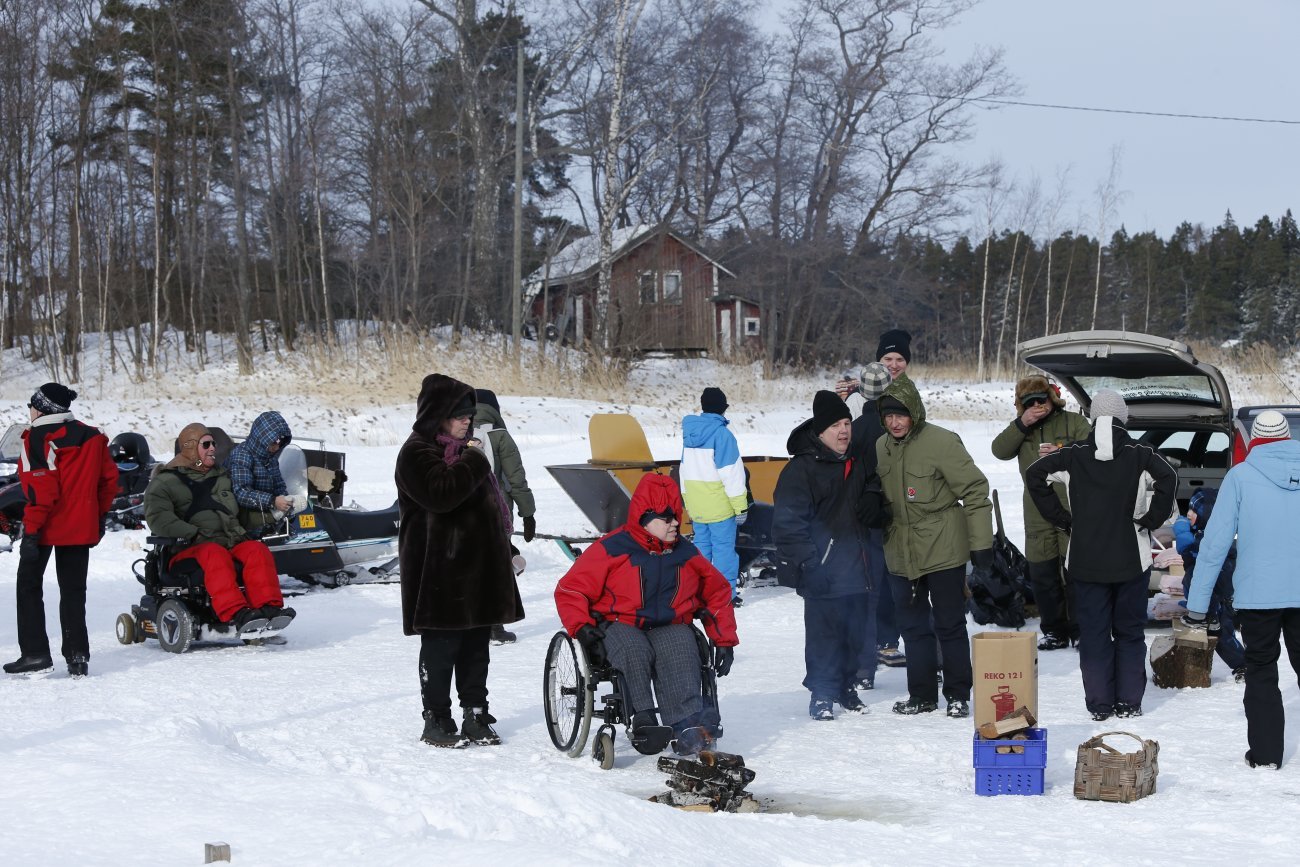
(69, 480)
(629, 601)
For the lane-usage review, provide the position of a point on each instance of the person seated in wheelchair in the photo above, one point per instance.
(254, 467)
(192, 498)
(629, 600)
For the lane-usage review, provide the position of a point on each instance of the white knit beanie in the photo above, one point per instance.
(1108, 402)
(1270, 425)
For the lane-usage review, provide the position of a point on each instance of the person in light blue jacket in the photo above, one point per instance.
(1259, 504)
(713, 485)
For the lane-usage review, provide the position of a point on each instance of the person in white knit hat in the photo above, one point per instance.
(1259, 506)
(1119, 490)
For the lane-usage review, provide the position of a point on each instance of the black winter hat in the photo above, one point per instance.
(828, 408)
(466, 407)
(890, 404)
(898, 341)
(713, 400)
(52, 398)
(482, 395)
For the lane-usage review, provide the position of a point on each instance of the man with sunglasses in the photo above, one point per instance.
(254, 467)
(1042, 425)
(69, 481)
(192, 498)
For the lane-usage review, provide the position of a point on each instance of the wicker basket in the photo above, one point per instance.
(1103, 773)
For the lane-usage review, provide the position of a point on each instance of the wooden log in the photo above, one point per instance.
(1176, 664)
(1013, 723)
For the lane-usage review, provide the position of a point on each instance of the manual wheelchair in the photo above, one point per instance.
(570, 684)
(176, 608)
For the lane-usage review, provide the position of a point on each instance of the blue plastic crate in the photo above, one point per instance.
(1009, 781)
(986, 753)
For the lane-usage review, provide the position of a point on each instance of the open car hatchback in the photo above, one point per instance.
(1177, 404)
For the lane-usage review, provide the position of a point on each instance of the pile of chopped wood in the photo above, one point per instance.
(1012, 727)
(708, 782)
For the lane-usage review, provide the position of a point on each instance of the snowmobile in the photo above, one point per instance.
(317, 542)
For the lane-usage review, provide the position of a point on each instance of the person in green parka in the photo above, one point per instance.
(940, 517)
(1041, 426)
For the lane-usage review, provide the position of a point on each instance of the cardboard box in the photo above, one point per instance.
(1006, 674)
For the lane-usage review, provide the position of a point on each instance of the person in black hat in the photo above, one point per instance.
(508, 465)
(826, 499)
(713, 485)
(69, 481)
(895, 351)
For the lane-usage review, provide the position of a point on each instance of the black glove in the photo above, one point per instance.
(594, 644)
(530, 528)
(982, 559)
(103, 526)
(740, 519)
(29, 550)
(723, 657)
(1192, 620)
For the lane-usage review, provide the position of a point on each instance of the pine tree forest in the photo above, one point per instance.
(270, 169)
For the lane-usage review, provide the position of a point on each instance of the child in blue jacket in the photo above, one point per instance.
(1188, 532)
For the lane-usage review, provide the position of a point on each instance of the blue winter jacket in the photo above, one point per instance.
(1259, 504)
(255, 472)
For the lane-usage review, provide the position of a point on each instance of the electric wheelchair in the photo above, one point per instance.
(176, 608)
(570, 685)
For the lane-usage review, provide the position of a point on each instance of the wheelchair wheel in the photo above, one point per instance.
(125, 629)
(175, 626)
(602, 751)
(566, 695)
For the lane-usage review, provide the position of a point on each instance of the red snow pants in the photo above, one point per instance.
(261, 582)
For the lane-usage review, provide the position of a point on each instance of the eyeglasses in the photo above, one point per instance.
(208, 444)
(667, 515)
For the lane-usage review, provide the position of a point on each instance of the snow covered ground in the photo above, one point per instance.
(309, 753)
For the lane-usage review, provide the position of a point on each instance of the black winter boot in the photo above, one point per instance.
(501, 635)
(29, 664)
(78, 666)
(477, 726)
(440, 731)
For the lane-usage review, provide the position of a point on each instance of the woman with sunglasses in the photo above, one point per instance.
(629, 600)
(192, 498)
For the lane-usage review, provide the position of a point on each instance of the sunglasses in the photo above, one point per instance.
(667, 515)
(207, 444)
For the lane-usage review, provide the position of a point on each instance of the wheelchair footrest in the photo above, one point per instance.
(650, 740)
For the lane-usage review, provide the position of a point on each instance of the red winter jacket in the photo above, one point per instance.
(629, 576)
(69, 480)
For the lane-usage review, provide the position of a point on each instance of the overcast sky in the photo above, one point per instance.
(1201, 57)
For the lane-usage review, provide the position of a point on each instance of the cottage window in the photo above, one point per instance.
(647, 287)
(751, 326)
(673, 287)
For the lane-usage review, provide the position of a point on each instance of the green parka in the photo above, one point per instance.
(1062, 427)
(167, 502)
(507, 462)
(938, 499)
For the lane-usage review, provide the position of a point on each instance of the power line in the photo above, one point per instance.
(1061, 107)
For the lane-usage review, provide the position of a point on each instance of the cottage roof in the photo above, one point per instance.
(582, 258)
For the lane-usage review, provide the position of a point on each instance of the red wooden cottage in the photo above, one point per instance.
(666, 294)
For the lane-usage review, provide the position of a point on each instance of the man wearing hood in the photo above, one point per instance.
(1189, 530)
(69, 481)
(1259, 504)
(508, 466)
(826, 500)
(1119, 490)
(254, 467)
(713, 484)
(454, 552)
(629, 600)
(192, 498)
(1041, 426)
(940, 518)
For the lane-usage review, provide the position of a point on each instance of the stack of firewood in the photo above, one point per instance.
(1013, 727)
(709, 782)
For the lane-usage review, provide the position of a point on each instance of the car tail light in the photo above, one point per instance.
(1238, 447)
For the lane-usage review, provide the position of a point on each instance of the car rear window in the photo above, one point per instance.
(1196, 389)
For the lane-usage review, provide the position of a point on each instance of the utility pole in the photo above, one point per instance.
(517, 269)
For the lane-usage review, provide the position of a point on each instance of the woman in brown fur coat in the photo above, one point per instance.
(457, 580)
